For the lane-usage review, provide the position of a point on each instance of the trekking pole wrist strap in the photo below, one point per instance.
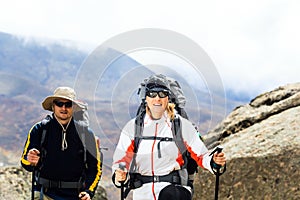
(214, 165)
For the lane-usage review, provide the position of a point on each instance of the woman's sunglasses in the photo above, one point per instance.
(161, 94)
(60, 104)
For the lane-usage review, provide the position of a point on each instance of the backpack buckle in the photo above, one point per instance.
(155, 179)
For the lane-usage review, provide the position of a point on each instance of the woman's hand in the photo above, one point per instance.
(120, 175)
(219, 158)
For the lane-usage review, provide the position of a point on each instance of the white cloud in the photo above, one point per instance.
(254, 44)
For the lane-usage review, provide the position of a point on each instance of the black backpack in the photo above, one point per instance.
(81, 121)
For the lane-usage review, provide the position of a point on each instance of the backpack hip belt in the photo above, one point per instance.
(173, 177)
(59, 184)
(137, 180)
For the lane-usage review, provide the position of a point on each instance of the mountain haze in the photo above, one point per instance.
(30, 71)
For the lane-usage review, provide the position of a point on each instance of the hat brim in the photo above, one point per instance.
(158, 88)
(48, 101)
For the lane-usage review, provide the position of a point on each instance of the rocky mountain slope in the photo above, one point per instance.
(262, 143)
(15, 184)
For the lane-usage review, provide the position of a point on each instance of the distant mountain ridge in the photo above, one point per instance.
(39, 63)
(30, 71)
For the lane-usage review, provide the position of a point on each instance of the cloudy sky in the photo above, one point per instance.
(254, 44)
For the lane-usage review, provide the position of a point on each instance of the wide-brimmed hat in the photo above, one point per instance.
(157, 82)
(60, 92)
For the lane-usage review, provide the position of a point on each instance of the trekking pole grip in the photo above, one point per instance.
(218, 149)
(215, 167)
(122, 166)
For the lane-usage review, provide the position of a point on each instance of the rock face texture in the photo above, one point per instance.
(262, 145)
(15, 184)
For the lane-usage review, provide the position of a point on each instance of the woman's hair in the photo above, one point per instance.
(170, 110)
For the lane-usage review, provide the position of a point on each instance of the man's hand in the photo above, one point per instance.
(33, 156)
(84, 196)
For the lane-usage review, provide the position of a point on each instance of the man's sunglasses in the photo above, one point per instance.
(161, 94)
(60, 104)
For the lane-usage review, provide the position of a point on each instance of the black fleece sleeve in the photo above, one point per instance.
(94, 171)
(32, 141)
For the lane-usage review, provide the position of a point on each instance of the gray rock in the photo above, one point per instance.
(262, 145)
(15, 184)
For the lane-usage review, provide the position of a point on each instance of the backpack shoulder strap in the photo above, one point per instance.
(138, 130)
(45, 124)
(139, 126)
(84, 145)
(82, 133)
(177, 135)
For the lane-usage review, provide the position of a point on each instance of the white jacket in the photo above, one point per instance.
(147, 160)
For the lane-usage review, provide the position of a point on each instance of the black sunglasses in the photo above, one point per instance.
(60, 104)
(161, 94)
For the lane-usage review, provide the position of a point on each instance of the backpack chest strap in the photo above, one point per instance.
(161, 139)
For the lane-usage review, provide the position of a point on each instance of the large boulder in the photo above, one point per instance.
(262, 144)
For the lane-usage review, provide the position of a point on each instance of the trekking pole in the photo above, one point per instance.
(217, 184)
(32, 183)
(122, 166)
(217, 171)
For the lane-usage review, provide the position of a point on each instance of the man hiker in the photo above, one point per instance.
(62, 151)
(152, 156)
